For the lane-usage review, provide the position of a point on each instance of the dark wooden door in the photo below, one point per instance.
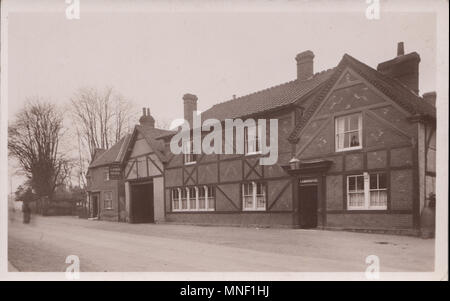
(142, 203)
(95, 205)
(308, 206)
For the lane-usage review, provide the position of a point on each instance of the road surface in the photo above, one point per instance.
(102, 246)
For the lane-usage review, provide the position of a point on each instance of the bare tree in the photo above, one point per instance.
(101, 118)
(34, 140)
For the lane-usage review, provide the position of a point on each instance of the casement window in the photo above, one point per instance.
(252, 141)
(188, 151)
(198, 198)
(107, 199)
(253, 196)
(348, 132)
(106, 175)
(367, 191)
(378, 191)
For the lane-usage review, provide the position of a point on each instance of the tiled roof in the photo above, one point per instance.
(391, 87)
(268, 99)
(113, 154)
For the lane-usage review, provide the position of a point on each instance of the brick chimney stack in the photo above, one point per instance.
(404, 67)
(147, 119)
(190, 105)
(305, 65)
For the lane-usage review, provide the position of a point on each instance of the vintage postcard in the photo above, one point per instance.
(224, 140)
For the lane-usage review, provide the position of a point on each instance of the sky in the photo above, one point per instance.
(153, 58)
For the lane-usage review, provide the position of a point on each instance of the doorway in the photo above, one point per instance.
(141, 205)
(308, 203)
(95, 205)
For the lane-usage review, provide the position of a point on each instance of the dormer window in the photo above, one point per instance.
(348, 132)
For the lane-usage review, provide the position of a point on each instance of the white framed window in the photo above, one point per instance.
(106, 175)
(188, 151)
(378, 191)
(253, 196)
(252, 141)
(367, 191)
(107, 200)
(355, 192)
(348, 132)
(195, 198)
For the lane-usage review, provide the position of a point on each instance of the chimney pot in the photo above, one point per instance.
(430, 97)
(305, 64)
(146, 119)
(400, 48)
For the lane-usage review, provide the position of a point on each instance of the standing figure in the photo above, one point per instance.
(26, 212)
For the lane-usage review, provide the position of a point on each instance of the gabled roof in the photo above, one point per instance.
(268, 99)
(114, 154)
(151, 134)
(392, 88)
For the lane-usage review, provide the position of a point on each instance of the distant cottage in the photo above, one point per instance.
(356, 151)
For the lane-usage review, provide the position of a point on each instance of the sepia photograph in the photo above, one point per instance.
(224, 140)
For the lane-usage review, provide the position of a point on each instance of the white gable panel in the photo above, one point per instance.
(140, 147)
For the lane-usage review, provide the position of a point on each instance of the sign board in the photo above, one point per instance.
(115, 172)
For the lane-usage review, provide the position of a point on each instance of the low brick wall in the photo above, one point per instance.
(377, 221)
(254, 219)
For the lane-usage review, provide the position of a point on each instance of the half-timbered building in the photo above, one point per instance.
(143, 170)
(356, 150)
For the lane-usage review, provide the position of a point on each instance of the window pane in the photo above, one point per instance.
(211, 191)
(346, 140)
(192, 198)
(261, 202)
(354, 124)
(248, 202)
(354, 139)
(374, 181)
(360, 183)
(183, 199)
(201, 192)
(175, 196)
(382, 181)
(351, 183)
(356, 199)
(378, 198)
(248, 188)
(211, 202)
(340, 125)
(201, 203)
(259, 188)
